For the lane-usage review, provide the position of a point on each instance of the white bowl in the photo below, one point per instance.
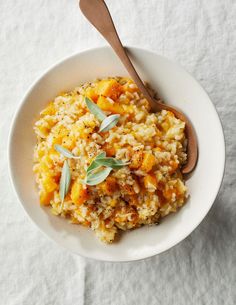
(177, 88)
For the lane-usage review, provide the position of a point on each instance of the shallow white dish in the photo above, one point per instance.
(176, 87)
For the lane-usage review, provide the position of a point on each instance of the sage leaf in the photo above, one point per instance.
(65, 152)
(109, 122)
(94, 109)
(94, 163)
(98, 177)
(94, 173)
(65, 181)
(101, 155)
(111, 162)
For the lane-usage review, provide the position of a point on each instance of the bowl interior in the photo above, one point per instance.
(176, 87)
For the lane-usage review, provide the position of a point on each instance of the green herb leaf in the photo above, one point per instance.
(101, 155)
(111, 162)
(94, 109)
(95, 174)
(94, 163)
(98, 177)
(109, 122)
(65, 152)
(65, 181)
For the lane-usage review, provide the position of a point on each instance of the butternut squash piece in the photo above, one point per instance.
(148, 162)
(49, 184)
(45, 197)
(91, 93)
(150, 181)
(107, 105)
(109, 186)
(110, 150)
(110, 88)
(68, 142)
(78, 193)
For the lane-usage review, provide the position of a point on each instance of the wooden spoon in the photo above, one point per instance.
(98, 14)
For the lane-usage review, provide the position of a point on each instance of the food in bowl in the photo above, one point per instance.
(104, 161)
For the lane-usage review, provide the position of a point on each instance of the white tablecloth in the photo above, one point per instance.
(200, 35)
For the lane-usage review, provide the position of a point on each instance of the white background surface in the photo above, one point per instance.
(200, 35)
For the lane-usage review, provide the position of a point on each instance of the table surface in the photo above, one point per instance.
(200, 35)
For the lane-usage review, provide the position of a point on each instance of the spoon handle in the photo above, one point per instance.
(98, 14)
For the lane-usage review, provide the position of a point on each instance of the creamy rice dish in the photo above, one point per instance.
(105, 161)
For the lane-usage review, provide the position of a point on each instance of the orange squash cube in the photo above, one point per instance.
(148, 162)
(91, 93)
(106, 105)
(68, 142)
(110, 150)
(45, 197)
(150, 181)
(109, 186)
(110, 88)
(49, 184)
(78, 193)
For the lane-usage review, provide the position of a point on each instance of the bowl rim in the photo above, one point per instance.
(10, 145)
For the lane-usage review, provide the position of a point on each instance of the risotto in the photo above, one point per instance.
(104, 161)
